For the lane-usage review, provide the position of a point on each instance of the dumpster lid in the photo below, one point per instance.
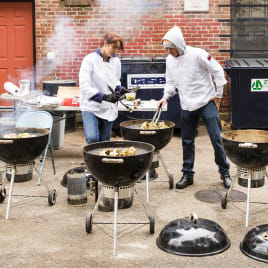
(135, 58)
(246, 63)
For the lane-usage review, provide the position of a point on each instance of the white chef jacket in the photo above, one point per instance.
(191, 74)
(95, 75)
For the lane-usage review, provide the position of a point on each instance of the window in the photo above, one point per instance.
(249, 28)
(77, 2)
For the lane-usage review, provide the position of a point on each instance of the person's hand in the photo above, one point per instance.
(162, 103)
(111, 97)
(123, 91)
(217, 102)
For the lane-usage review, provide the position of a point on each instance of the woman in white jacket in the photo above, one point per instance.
(99, 76)
(190, 70)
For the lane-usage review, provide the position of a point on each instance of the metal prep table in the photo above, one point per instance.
(145, 105)
(59, 122)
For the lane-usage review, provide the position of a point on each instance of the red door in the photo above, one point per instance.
(16, 44)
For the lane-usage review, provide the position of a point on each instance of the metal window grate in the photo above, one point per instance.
(77, 2)
(249, 28)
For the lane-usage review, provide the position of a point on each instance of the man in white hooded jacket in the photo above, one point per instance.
(190, 70)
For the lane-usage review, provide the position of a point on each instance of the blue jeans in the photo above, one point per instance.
(96, 129)
(189, 124)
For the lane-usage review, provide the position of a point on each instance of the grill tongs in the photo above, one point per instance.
(156, 116)
(122, 97)
(134, 90)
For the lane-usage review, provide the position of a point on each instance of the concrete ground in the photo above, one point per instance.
(38, 235)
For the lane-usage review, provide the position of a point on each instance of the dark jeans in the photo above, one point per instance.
(189, 124)
(96, 129)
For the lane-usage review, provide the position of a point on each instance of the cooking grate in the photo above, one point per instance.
(215, 195)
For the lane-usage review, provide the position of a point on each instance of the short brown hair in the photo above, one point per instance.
(112, 38)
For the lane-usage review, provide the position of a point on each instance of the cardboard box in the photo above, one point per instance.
(69, 95)
(68, 92)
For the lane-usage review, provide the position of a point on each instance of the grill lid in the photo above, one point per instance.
(255, 243)
(193, 237)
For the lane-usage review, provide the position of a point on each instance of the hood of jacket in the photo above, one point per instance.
(174, 35)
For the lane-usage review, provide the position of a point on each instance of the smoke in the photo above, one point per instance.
(124, 17)
(121, 16)
(61, 45)
(61, 41)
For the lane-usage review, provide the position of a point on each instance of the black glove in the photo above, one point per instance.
(111, 97)
(121, 90)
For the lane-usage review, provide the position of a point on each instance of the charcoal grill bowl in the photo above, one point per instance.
(246, 148)
(130, 130)
(22, 150)
(118, 171)
(255, 243)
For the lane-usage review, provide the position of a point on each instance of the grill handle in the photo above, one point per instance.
(112, 160)
(153, 132)
(6, 141)
(248, 145)
(194, 217)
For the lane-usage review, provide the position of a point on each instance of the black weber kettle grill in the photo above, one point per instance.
(247, 149)
(158, 137)
(116, 172)
(22, 150)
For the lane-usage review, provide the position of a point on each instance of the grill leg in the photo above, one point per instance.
(42, 166)
(96, 190)
(98, 201)
(164, 165)
(141, 202)
(147, 186)
(10, 191)
(4, 179)
(231, 187)
(248, 197)
(116, 189)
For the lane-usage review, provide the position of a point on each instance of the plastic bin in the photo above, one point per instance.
(58, 130)
(249, 85)
(50, 88)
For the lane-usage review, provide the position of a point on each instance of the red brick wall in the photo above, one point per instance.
(141, 23)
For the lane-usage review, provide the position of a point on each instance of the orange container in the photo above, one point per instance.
(71, 102)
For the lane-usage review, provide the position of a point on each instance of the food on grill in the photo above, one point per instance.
(119, 152)
(19, 135)
(131, 96)
(131, 151)
(151, 125)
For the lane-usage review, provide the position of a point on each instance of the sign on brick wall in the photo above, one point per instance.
(196, 5)
(77, 2)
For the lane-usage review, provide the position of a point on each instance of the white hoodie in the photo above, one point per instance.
(190, 73)
(95, 76)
